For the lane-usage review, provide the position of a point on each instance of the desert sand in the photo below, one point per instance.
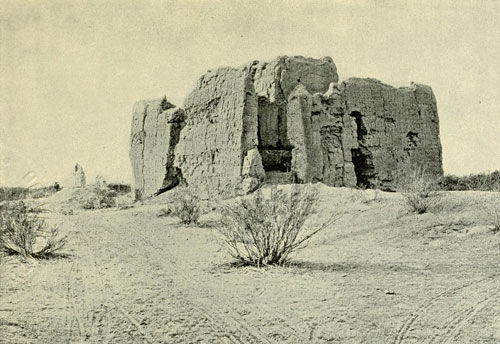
(379, 274)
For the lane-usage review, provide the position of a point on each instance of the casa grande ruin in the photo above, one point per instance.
(285, 121)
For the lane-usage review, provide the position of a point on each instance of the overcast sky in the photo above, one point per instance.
(71, 70)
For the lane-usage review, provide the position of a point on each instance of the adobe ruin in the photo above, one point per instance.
(284, 121)
(79, 176)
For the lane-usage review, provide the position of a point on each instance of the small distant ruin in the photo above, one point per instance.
(79, 175)
(284, 121)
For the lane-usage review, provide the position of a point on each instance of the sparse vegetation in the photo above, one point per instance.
(25, 233)
(493, 214)
(266, 229)
(120, 189)
(18, 193)
(13, 193)
(100, 198)
(186, 206)
(476, 182)
(419, 190)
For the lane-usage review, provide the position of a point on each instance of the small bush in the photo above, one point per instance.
(419, 190)
(473, 182)
(493, 214)
(186, 206)
(13, 193)
(262, 230)
(44, 191)
(120, 189)
(101, 198)
(23, 233)
(19, 193)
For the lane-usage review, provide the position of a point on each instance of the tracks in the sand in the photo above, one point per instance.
(450, 311)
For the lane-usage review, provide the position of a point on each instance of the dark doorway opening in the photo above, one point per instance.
(362, 157)
(276, 159)
(363, 167)
(274, 148)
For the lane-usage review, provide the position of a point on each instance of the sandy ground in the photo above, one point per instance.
(377, 275)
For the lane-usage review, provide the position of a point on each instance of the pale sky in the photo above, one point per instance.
(72, 70)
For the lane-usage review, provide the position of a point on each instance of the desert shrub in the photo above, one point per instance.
(483, 181)
(452, 183)
(43, 191)
(13, 193)
(493, 215)
(100, 198)
(19, 193)
(476, 182)
(120, 189)
(419, 190)
(266, 229)
(23, 232)
(186, 206)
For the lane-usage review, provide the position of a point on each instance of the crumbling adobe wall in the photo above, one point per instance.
(156, 126)
(284, 121)
(397, 131)
(236, 123)
(79, 175)
(221, 127)
(280, 132)
(367, 133)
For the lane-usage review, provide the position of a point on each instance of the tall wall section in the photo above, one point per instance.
(156, 126)
(221, 127)
(368, 133)
(397, 130)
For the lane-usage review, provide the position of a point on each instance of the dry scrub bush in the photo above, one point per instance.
(478, 182)
(186, 206)
(120, 189)
(23, 233)
(493, 213)
(13, 193)
(419, 190)
(101, 198)
(18, 193)
(265, 229)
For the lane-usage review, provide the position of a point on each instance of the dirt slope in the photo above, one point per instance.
(378, 275)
